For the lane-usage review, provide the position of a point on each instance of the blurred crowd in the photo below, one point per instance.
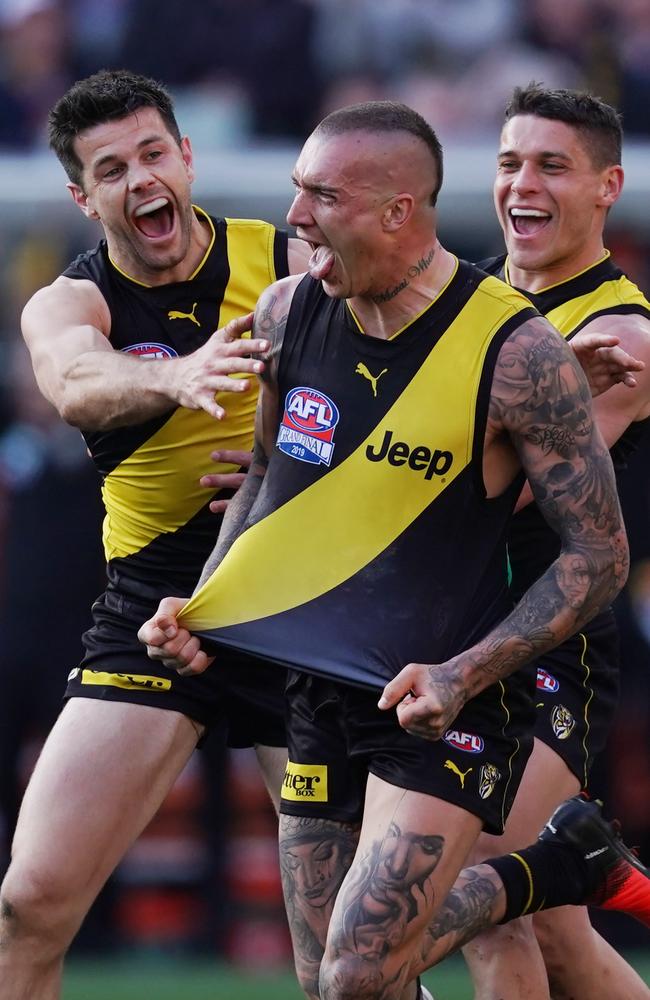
(244, 72)
(269, 69)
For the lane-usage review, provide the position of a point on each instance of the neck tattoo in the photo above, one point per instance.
(414, 271)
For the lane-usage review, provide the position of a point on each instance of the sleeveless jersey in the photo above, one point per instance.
(600, 290)
(158, 529)
(371, 542)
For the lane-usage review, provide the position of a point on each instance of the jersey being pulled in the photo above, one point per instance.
(158, 529)
(600, 290)
(371, 542)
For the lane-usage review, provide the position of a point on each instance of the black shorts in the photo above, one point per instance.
(577, 694)
(337, 735)
(246, 696)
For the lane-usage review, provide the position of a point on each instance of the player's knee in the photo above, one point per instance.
(348, 977)
(37, 904)
(495, 941)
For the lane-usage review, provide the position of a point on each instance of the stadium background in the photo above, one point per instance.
(195, 909)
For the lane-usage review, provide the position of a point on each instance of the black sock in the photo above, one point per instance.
(541, 877)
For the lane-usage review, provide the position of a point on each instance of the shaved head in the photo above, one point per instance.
(397, 125)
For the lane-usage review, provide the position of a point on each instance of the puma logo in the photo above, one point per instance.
(461, 774)
(362, 370)
(176, 314)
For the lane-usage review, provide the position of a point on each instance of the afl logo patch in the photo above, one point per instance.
(157, 351)
(308, 424)
(546, 681)
(468, 742)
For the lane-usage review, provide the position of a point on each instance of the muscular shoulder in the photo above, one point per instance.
(67, 302)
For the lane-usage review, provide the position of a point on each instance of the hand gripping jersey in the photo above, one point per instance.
(600, 290)
(371, 543)
(158, 529)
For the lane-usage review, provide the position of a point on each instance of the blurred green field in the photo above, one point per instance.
(165, 979)
(182, 980)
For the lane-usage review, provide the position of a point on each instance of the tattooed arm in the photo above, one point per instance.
(616, 407)
(269, 323)
(161, 634)
(541, 404)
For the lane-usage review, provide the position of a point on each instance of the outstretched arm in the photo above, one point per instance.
(541, 403)
(66, 327)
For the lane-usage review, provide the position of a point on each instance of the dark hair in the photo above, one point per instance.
(598, 124)
(106, 96)
(386, 116)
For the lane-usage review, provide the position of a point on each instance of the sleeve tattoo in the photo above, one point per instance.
(541, 399)
(269, 323)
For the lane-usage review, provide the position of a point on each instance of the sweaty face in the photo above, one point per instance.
(342, 184)
(136, 181)
(550, 199)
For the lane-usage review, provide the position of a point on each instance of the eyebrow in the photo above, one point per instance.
(110, 157)
(322, 188)
(546, 154)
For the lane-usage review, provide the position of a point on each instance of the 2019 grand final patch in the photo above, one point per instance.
(308, 424)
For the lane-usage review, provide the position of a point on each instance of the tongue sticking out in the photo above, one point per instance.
(321, 262)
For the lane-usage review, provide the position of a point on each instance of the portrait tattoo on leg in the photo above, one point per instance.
(315, 856)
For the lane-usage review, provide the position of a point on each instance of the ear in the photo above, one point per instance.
(612, 185)
(80, 198)
(398, 210)
(188, 157)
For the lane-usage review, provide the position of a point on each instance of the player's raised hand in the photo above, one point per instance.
(173, 645)
(195, 378)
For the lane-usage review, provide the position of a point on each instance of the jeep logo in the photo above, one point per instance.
(419, 458)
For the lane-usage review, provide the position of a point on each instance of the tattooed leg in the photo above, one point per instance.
(410, 850)
(315, 855)
(475, 903)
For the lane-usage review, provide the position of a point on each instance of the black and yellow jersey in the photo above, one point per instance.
(158, 530)
(600, 290)
(372, 543)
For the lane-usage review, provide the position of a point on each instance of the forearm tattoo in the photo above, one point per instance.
(541, 399)
(269, 323)
(236, 515)
(315, 856)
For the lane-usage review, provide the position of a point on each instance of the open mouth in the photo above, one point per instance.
(528, 221)
(155, 219)
(321, 261)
